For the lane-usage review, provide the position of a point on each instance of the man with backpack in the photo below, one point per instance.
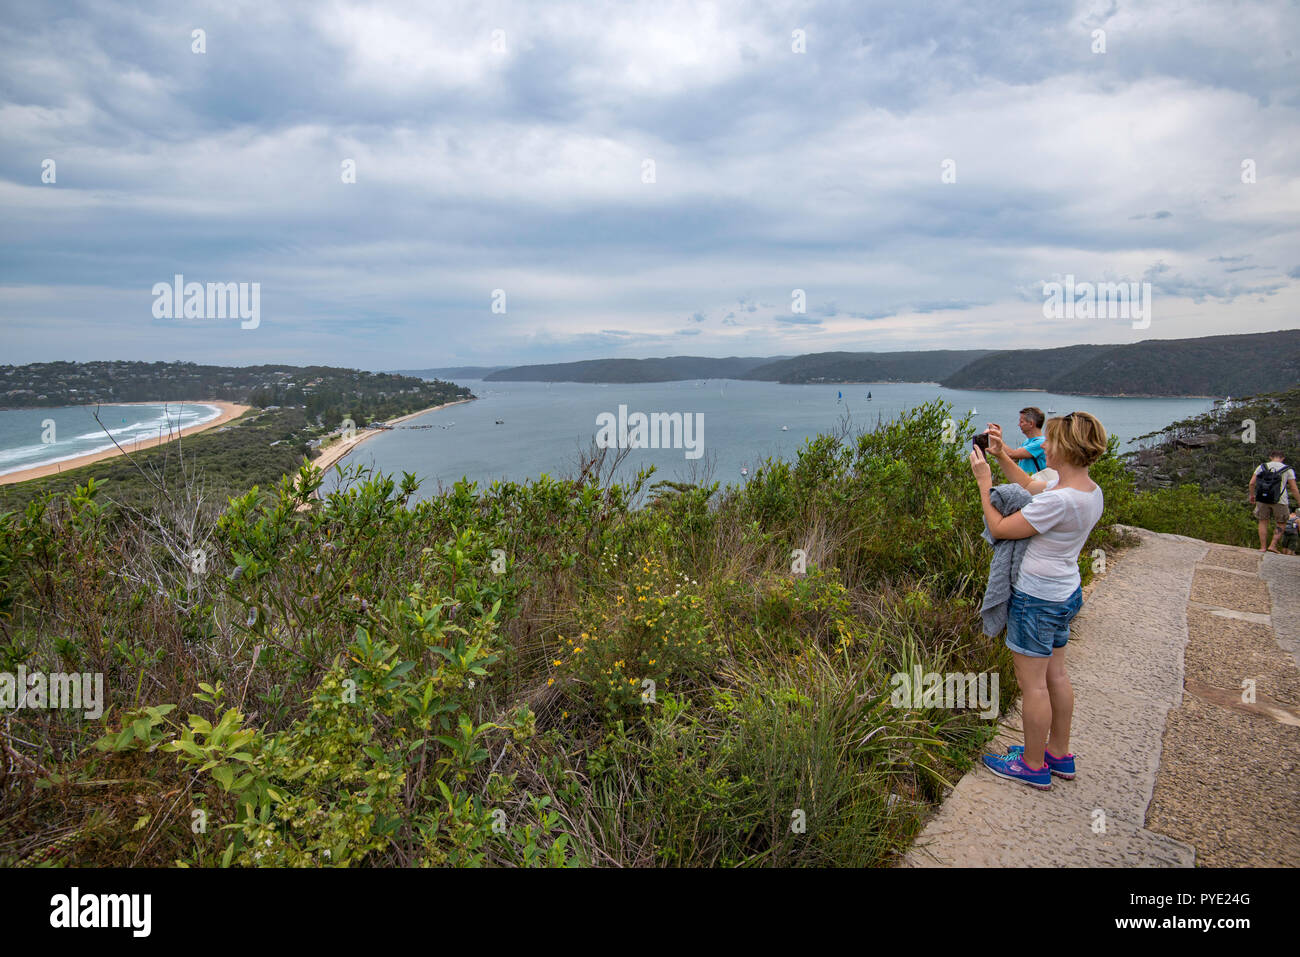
(1268, 492)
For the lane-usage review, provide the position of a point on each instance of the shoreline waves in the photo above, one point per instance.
(228, 411)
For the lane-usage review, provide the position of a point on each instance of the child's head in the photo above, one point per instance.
(1076, 439)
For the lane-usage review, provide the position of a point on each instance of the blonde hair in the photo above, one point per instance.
(1078, 438)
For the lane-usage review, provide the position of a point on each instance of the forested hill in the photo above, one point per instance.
(1214, 365)
(324, 391)
(667, 369)
(931, 366)
(1021, 368)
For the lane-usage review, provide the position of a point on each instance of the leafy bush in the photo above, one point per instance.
(462, 680)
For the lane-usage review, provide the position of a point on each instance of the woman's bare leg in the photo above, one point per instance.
(1061, 693)
(1036, 705)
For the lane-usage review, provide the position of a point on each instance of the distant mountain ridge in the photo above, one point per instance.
(451, 372)
(1212, 365)
(666, 369)
(928, 366)
(1209, 366)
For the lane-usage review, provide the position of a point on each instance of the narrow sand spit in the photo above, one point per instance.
(229, 412)
(327, 459)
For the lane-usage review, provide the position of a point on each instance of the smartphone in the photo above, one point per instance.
(981, 440)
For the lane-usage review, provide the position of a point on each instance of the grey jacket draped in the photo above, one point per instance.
(1007, 554)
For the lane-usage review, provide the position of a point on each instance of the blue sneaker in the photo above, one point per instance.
(1013, 768)
(1061, 767)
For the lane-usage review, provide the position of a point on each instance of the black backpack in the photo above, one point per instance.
(1268, 486)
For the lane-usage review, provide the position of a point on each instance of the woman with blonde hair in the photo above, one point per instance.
(1046, 594)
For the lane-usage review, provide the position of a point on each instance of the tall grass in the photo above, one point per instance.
(554, 672)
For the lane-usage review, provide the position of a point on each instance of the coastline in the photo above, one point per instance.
(332, 455)
(229, 412)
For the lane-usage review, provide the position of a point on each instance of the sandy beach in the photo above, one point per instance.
(229, 412)
(330, 457)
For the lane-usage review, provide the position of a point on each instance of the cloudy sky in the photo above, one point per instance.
(640, 179)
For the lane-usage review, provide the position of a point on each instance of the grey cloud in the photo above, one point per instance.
(1171, 283)
(478, 171)
(944, 306)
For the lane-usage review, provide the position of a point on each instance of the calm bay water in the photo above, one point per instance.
(545, 426)
(77, 433)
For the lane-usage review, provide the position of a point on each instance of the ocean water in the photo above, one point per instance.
(546, 426)
(75, 431)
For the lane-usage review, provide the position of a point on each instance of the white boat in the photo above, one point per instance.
(785, 428)
(744, 471)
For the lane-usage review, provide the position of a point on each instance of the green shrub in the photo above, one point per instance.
(461, 680)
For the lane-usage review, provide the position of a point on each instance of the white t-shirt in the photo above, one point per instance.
(1063, 519)
(1277, 467)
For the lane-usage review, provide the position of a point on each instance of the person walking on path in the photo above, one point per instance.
(1031, 424)
(1046, 594)
(1291, 534)
(1269, 484)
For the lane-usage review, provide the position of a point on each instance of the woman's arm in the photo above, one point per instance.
(1001, 526)
(998, 449)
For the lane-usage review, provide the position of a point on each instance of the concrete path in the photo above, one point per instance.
(1171, 761)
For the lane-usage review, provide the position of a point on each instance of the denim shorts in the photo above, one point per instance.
(1036, 626)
